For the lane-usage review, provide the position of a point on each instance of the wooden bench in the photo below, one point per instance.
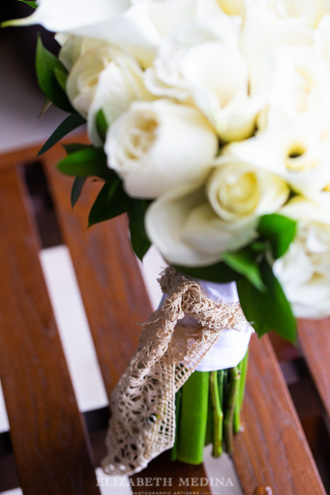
(49, 449)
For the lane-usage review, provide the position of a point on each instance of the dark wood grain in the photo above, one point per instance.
(47, 433)
(314, 338)
(108, 275)
(272, 451)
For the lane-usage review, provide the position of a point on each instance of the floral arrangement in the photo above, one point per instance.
(210, 126)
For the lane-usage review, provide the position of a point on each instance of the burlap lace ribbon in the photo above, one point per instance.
(142, 424)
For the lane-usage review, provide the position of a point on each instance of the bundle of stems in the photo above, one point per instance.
(208, 408)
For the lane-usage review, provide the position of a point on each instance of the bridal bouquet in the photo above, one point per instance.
(210, 126)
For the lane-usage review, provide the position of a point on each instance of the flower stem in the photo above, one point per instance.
(243, 368)
(178, 397)
(193, 418)
(234, 374)
(217, 415)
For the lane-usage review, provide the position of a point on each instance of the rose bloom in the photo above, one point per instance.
(155, 146)
(201, 63)
(304, 271)
(201, 222)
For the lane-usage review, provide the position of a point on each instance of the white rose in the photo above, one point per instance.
(72, 47)
(237, 190)
(201, 62)
(299, 89)
(119, 84)
(83, 78)
(195, 225)
(304, 271)
(155, 146)
(296, 154)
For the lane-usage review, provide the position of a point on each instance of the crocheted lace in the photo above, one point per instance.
(142, 423)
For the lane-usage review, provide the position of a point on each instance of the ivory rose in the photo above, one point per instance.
(304, 271)
(155, 146)
(119, 84)
(194, 225)
(202, 63)
(83, 78)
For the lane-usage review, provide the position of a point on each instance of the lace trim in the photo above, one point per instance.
(142, 424)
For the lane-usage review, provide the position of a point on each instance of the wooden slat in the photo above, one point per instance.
(112, 288)
(47, 432)
(272, 451)
(108, 275)
(314, 338)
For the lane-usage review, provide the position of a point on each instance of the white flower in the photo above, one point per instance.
(195, 225)
(237, 190)
(299, 89)
(271, 23)
(72, 47)
(137, 26)
(304, 271)
(296, 154)
(201, 62)
(155, 146)
(119, 84)
(233, 7)
(83, 78)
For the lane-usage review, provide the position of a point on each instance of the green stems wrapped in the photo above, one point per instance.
(193, 418)
(208, 410)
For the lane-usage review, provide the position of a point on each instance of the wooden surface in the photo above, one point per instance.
(108, 275)
(51, 447)
(48, 437)
(272, 451)
(314, 338)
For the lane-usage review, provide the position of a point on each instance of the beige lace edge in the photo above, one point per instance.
(142, 424)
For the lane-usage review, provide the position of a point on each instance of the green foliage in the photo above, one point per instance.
(101, 125)
(139, 239)
(77, 186)
(32, 4)
(46, 64)
(111, 202)
(269, 310)
(245, 263)
(279, 231)
(61, 77)
(219, 272)
(72, 122)
(86, 162)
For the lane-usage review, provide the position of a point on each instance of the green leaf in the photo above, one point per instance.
(73, 147)
(279, 230)
(34, 5)
(244, 262)
(61, 77)
(88, 162)
(46, 63)
(69, 124)
(111, 202)
(101, 124)
(77, 186)
(269, 310)
(219, 272)
(139, 239)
